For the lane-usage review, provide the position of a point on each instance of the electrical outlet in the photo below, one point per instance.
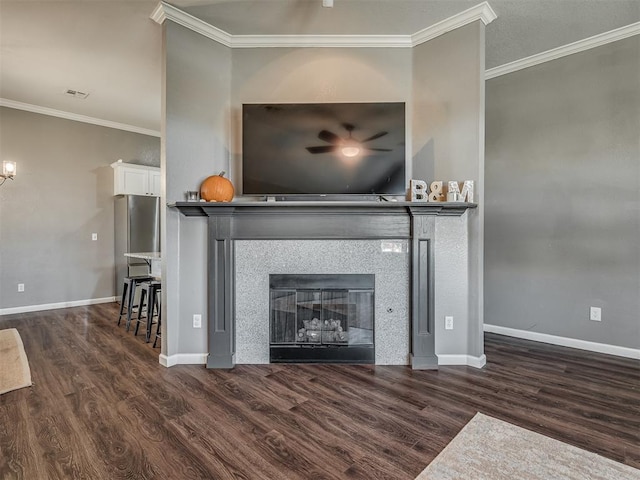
(94, 236)
(197, 321)
(448, 323)
(595, 314)
(21, 287)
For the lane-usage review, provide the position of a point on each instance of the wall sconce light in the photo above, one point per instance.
(8, 170)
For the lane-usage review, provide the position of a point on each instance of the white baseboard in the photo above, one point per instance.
(55, 306)
(168, 361)
(565, 342)
(201, 359)
(183, 359)
(477, 362)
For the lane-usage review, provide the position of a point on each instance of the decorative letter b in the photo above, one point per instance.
(418, 190)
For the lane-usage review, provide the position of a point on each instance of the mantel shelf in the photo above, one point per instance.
(207, 209)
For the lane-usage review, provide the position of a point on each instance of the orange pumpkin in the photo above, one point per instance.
(216, 188)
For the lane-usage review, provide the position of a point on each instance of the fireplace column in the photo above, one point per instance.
(221, 288)
(423, 355)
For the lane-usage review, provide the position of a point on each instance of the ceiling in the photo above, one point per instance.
(111, 49)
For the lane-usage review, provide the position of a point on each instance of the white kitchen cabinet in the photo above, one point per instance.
(154, 182)
(131, 179)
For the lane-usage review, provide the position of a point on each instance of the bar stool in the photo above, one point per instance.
(128, 295)
(151, 290)
(158, 331)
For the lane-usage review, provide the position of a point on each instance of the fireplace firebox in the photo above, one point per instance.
(322, 318)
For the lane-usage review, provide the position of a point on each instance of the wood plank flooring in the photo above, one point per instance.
(102, 407)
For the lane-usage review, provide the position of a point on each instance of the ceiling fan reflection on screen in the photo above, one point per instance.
(349, 147)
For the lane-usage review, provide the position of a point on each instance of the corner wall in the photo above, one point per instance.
(196, 93)
(448, 132)
(563, 196)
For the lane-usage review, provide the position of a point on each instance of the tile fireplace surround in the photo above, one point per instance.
(256, 259)
(250, 240)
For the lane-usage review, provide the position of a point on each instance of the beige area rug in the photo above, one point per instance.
(490, 449)
(14, 367)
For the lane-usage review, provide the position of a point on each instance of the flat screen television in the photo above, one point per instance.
(323, 149)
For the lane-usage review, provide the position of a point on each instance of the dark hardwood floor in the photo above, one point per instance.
(102, 407)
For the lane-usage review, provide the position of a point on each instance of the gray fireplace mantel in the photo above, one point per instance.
(232, 221)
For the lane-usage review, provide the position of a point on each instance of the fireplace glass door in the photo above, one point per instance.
(333, 319)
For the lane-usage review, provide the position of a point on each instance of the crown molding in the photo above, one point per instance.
(482, 12)
(4, 102)
(569, 49)
(326, 41)
(158, 14)
(164, 11)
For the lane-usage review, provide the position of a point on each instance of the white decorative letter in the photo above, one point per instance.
(418, 190)
(467, 191)
(454, 194)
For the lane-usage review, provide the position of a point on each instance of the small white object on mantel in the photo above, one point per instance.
(327, 3)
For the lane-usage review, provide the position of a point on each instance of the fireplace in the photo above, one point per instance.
(321, 318)
(431, 235)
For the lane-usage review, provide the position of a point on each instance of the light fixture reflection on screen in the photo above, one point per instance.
(350, 151)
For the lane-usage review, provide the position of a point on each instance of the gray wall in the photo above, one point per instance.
(448, 144)
(317, 75)
(563, 196)
(196, 92)
(62, 193)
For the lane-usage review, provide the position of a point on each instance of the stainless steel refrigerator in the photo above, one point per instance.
(137, 229)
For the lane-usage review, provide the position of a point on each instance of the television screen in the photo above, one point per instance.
(323, 149)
